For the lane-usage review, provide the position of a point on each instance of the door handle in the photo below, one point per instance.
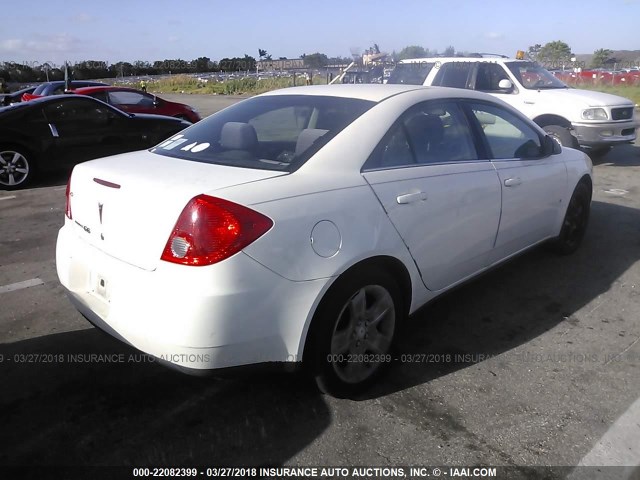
(411, 197)
(512, 182)
(54, 130)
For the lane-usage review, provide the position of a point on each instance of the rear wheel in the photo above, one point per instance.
(353, 331)
(562, 135)
(16, 167)
(575, 221)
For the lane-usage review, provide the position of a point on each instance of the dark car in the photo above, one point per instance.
(59, 131)
(135, 101)
(56, 88)
(15, 97)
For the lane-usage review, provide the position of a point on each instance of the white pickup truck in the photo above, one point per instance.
(571, 116)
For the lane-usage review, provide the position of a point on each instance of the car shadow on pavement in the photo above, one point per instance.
(620, 156)
(60, 406)
(514, 303)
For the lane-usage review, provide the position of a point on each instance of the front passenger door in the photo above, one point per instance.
(533, 186)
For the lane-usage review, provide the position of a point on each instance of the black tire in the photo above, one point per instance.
(345, 342)
(17, 167)
(562, 135)
(575, 221)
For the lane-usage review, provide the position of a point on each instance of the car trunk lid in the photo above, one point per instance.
(127, 205)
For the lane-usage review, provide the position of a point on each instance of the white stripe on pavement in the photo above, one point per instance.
(17, 286)
(619, 447)
(8, 198)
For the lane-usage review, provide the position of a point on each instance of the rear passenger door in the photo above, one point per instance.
(533, 185)
(442, 199)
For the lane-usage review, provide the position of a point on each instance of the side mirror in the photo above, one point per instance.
(550, 146)
(505, 84)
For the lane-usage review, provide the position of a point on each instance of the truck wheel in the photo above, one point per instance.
(562, 135)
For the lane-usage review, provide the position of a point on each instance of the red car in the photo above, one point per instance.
(135, 101)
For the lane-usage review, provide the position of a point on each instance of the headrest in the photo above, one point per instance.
(307, 137)
(238, 136)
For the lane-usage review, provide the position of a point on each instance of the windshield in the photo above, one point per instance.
(411, 73)
(533, 77)
(270, 133)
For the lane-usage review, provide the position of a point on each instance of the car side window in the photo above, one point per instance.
(75, 115)
(429, 133)
(439, 133)
(393, 151)
(489, 76)
(101, 96)
(130, 98)
(454, 74)
(508, 136)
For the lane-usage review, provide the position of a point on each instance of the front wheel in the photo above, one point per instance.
(575, 221)
(562, 135)
(16, 167)
(355, 326)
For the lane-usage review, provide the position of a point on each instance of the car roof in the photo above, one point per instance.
(380, 92)
(462, 59)
(102, 88)
(371, 92)
(64, 96)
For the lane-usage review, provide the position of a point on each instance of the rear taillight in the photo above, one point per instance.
(67, 208)
(210, 230)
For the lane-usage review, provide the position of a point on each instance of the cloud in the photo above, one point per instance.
(173, 39)
(494, 35)
(82, 18)
(60, 42)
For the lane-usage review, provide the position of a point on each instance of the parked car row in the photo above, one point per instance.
(58, 131)
(43, 130)
(135, 101)
(587, 77)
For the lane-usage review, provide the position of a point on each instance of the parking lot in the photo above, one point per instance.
(531, 364)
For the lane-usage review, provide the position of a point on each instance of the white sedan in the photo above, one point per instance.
(305, 224)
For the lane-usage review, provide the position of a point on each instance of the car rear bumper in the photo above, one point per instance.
(605, 134)
(233, 313)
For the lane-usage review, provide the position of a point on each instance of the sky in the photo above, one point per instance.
(117, 30)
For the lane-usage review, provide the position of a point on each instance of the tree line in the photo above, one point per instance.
(552, 54)
(97, 69)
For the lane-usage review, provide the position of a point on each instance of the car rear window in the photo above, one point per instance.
(270, 133)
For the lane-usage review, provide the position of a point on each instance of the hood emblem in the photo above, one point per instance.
(100, 205)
